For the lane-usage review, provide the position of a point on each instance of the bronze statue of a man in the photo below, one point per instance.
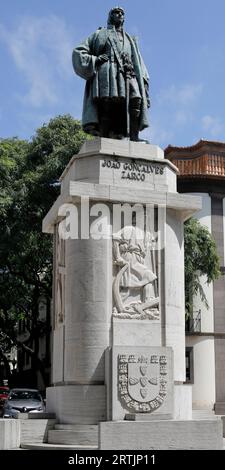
(116, 92)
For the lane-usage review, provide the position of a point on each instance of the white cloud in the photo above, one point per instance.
(41, 50)
(180, 96)
(175, 111)
(213, 125)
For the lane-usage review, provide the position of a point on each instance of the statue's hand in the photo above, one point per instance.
(120, 262)
(101, 59)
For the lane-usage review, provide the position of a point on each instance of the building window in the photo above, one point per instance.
(193, 323)
(189, 365)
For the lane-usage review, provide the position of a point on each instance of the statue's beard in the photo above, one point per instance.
(118, 23)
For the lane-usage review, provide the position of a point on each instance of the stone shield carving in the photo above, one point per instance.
(142, 382)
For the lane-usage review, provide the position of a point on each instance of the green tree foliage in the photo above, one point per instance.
(12, 165)
(200, 259)
(29, 172)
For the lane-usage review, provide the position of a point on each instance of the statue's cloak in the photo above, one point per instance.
(107, 81)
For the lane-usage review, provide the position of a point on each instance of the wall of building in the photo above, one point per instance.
(204, 346)
(202, 171)
(203, 389)
(224, 226)
(207, 315)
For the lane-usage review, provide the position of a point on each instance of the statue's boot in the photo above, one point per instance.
(135, 111)
(104, 127)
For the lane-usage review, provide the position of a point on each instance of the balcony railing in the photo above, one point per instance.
(205, 165)
(193, 324)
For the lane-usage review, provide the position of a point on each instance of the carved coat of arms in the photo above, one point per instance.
(142, 382)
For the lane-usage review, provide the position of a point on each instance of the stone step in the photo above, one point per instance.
(42, 446)
(41, 415)
(33, 431)
(77, 427)
(73, 437)
(203, 414)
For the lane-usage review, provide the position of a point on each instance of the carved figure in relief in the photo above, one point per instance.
(60, 280)
(134, 287)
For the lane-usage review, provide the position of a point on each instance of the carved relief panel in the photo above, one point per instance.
(60, 274)
(136, 273)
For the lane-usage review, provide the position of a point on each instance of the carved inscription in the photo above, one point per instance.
(133, 170)
(142, 381)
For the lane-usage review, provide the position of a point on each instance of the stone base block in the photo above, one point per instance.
(35, 431)
(183, 401)
(77, 404)
(138, 332)
(161, 435)
(9, 434)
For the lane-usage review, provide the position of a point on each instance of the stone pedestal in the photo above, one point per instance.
(119, 320)
(9, 434)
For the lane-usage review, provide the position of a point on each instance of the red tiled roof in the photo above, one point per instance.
(205, 159)
(198, 145)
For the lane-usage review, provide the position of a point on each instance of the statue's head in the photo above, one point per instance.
(116, 16)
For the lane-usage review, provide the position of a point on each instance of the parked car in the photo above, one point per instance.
(23, 400)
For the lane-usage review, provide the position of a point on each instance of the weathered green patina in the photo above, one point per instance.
(116, 92)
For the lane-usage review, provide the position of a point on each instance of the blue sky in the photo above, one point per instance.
(182, 43)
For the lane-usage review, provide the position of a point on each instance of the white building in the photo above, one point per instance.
(202, 172)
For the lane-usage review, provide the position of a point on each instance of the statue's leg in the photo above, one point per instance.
(148, 292)
(135, 111)
(104, 117)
